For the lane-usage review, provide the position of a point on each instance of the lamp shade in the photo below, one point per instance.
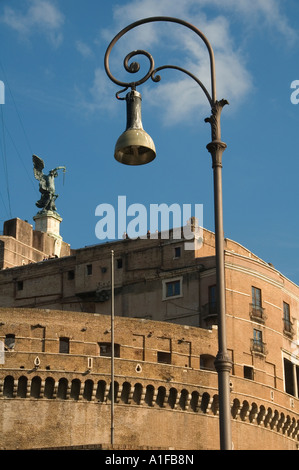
(134, 146)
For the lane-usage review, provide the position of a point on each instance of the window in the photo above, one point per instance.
(164, 357)
(177, 252)
(9, 342)
(119, 263)
(71, 275)
(256, 310)
(20, 285)
(64, 345)
(256, 297)
(105, 349)
(257, 344)
(287, 324)
(89, 269)
(248, 372)
(288, 377)
(209, 310)
(172, 288)
(257, 336)
(207, 362)
(291, 377)
(212, 300)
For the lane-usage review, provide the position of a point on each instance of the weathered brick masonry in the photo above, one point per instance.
(55, 379)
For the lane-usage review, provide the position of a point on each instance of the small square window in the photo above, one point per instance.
(71, 275)
(164, 357)
(248, 372)
(177, 252)
(105, 349)
(173, 288)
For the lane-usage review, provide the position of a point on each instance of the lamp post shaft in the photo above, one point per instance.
(222, 363)
(112, 349)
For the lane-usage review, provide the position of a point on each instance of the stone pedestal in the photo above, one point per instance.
(49, 222)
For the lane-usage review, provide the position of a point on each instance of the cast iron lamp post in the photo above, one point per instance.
(135, 147)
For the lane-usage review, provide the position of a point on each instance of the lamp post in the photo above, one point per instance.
(135, 147)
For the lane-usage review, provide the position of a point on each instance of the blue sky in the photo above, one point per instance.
(60, 105)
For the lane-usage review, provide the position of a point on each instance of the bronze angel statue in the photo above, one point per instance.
(46, 184)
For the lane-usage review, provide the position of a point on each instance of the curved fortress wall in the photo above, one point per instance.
(55, 386)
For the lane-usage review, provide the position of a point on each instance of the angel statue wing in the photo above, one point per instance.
(38, 166)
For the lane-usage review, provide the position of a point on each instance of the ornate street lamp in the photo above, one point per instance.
(135, 147)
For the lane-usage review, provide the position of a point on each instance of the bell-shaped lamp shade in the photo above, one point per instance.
(134, 146)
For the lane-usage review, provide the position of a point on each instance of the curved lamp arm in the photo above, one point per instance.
(134, 67)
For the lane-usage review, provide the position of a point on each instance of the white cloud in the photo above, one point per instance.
(180, 98)
(258, 13)
(41, 15)
(177, 96)
(83, 49)
(100, 96)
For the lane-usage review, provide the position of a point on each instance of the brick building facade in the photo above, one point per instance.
(55, 328)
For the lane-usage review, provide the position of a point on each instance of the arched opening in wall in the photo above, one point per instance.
(280, 421)
(274, 419)
(88, 389)
(149, 395)
(8, 386)
(194, 401)
(207, 362)
(137, 393)
(215, 404)
(35, 387)
(22, 387)
(172, 397)
(101, 388)
(125, 393)
(261, 415)
(116, 388)
(49, 387)
(62, 388)
(244, 410)
(292, 427)
(235, 408)
(161, 396)
(183, 399)
(75, 389)
(286, 424)
(205, 402)
(253, 412)
(268, 416)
